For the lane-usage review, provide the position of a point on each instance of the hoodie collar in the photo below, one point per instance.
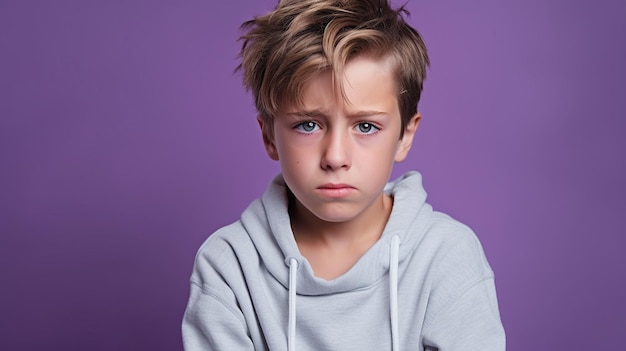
(268, 225)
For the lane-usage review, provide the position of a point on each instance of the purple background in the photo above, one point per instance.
(126, 138)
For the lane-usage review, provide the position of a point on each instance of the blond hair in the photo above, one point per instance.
(285, 48)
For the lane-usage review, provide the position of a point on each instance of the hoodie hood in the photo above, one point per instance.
(425, 282)
(268, 225)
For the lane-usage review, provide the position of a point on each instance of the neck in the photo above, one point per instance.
(362, 230)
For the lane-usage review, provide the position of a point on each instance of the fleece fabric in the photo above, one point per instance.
(424, 285)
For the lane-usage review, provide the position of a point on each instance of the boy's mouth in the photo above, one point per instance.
(335, 186)
(336, 190)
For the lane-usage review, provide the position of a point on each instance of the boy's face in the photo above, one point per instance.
(336, 154)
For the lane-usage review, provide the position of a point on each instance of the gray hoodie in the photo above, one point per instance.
(425, 285)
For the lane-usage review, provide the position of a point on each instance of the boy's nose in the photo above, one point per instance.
(336, 151)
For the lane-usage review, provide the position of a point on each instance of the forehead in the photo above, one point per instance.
(363, 82)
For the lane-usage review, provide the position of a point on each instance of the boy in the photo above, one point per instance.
(332, 257)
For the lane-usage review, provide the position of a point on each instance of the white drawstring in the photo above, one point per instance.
(393, 297)
(393, 291)
(291, 336)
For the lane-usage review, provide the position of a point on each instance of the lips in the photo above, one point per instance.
(335, 186)
(333, 190)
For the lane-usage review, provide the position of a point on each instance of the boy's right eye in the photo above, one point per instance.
(307, 127)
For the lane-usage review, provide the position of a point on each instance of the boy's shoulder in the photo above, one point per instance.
(454, 245)
(221, 249)
(223, 241)
(450, 229)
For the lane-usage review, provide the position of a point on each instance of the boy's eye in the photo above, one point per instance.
(307, 127)
(367, 128)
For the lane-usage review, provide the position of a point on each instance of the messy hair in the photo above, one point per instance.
(285, 48)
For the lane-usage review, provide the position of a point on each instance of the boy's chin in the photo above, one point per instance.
(327, 214)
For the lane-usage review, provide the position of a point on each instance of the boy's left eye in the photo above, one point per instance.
(367, 128)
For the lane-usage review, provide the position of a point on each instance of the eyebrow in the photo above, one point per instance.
(366, 113)
(313, 113)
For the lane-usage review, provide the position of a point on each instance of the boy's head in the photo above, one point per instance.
(284, 49)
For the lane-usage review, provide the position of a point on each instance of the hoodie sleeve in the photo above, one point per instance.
(210, 323)
(214, 319)
(463, 305)
(470, 323)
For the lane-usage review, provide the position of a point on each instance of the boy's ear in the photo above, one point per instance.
(407, 139)
(268, 138)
